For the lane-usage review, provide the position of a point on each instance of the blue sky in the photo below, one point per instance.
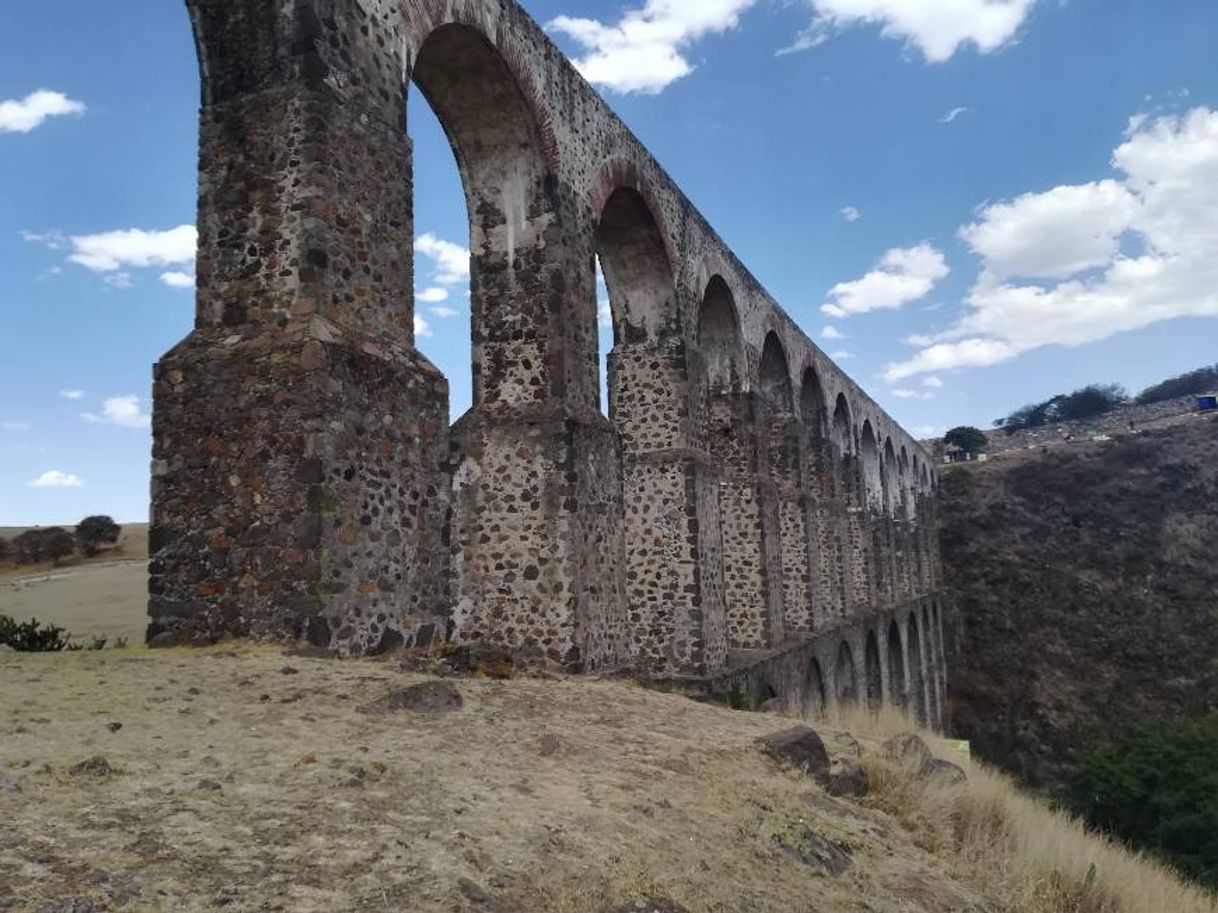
(1059, 228)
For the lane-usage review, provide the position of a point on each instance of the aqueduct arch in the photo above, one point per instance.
(306, 481)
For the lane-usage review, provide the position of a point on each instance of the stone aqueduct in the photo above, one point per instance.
(746, 515)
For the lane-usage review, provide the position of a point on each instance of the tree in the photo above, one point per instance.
(967, 438)
(5, 549)
(57, 543)
(1096, 399)
(94, 532)
(1203, 380)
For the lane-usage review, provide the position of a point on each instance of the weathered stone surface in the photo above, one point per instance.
(743, 494)
(847, 780)
(427, 697)
(799, 747)
(907, 749)
(942, 772)
(822, 855)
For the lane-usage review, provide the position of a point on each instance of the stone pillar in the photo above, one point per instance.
(787, 461)
(748, 510)
(298, 437)
(673, 540)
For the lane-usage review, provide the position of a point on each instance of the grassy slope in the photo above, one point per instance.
(1085, 581)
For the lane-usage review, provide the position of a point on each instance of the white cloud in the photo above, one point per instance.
(832, 332)
(604, 313)
(1055, 234)
(450, 262)
(432, 295)
(178, 279)
(1126, 253)
(444, 312)
(951, 115)
(15, 426)
(53, 478)
(421, 327)
(72, 394)
(644, 51)
(117, 280)
(841, 355)
(933, 382)
(55, 240)
(901, 276)
(112, 250)
(23, 115)
(123, 411)
(937, 28)
(906, 393)
(851, 213)
(927, 431)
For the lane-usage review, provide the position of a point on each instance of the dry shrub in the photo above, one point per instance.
(1015, 849)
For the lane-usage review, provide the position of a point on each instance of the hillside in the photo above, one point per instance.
(1084, 579)
(244, 779)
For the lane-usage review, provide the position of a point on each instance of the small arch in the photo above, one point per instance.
(891, 484)
(845, 676)
(719, 335)
(873, 483)
(917, 697)
(764, 693)
(775, 376)
(873, 672)
(814, 703)
(896, 666)
(637, 270)
(813, 418)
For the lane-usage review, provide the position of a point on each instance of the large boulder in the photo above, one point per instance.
(907, 749)
(800, 747)
(945, 773)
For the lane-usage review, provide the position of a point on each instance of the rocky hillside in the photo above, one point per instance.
(1086, 586)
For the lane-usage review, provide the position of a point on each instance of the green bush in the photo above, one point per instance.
(1155, 786)
(32, 636)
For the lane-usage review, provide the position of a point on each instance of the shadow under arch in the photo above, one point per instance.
(897, 688)
(873, 672)
(845, 676)
(914, 662)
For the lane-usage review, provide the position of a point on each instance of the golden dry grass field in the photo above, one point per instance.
(242, 778)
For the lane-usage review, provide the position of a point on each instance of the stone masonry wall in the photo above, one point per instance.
(306, 484)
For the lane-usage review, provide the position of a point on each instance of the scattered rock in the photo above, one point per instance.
(208, 785)
(799, 747)
(114, 727)
(908, 750)
(482, 659)
(848, 781)
(288, 670)
(9, 785)
(773, 705)
(945, 773)
(650, 905)
(428, 697)
(826, 857)
(96, 766)
(478, 896)
(548, 745)
(72, 905)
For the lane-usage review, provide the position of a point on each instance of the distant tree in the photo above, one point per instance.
(51, 544)
(1091, 401)
(967, 438)
(5, 549)
(94, 532)
(1203, 380)
(57, 544)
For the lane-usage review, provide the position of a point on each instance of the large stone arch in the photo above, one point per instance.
(845, 676)
(898, 687)
(752, 571)
(915, 663)
(873, 672)
(674, 591)
(825, 555)
(786, 458)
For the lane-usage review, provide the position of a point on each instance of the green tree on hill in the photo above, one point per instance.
(94, 532)
(967, 438)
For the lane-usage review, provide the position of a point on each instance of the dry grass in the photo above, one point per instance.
(1012, 848)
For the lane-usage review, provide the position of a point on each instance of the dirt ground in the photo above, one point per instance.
(243, 779)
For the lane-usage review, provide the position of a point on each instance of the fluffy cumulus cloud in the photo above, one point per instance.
(902, 275)
(1076, 264)
(124, 411)
(53, 478)
(114, 254)
(645, 51)
(831, 332)
(26, 114)
(851, 213)
(936, 28)
(449, 263)
(421, 327)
